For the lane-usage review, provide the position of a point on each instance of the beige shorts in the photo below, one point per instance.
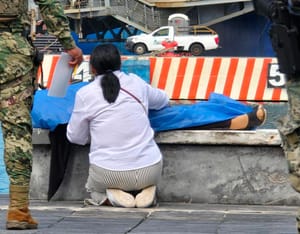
(100, 179)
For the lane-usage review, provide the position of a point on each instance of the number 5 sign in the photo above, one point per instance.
(276, 79)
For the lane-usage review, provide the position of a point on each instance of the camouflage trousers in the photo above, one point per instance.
(289, 128)
(16, 69)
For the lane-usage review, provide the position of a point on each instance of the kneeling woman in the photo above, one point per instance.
(111, 114)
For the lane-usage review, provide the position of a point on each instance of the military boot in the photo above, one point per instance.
(18, 215)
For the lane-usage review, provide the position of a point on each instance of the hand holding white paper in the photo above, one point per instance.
(61, 77)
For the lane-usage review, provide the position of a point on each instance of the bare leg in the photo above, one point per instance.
(246, 121)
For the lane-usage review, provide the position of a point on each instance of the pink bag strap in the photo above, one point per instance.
(138, 100)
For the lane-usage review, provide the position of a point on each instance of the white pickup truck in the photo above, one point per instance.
(193, 40)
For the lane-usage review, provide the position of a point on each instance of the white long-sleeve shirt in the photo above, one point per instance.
(119, 133)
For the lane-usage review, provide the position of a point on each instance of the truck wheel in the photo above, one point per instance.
(196, 49)
(139, 48)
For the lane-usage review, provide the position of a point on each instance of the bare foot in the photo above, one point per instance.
(251, 120)
(261, 114)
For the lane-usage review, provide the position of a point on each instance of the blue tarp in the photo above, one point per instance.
(48, 111)
(217, 108)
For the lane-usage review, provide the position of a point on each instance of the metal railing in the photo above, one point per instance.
(133, 12)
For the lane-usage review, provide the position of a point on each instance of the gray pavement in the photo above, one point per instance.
(166, 218)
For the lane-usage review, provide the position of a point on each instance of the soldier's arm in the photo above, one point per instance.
(58, 25)
(56, 21)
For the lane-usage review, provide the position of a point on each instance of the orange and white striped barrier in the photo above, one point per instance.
(256, 79)
(194, 78)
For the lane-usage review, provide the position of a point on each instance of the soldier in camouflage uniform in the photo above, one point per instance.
(16, 95)
(289, 128)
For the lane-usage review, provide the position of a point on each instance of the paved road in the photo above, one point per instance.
(166, 218)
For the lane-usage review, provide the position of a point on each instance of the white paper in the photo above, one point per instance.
(61, 77)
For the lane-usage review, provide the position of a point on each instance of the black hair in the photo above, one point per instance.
(105, 59)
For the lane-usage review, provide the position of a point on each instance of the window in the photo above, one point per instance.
(163, 32)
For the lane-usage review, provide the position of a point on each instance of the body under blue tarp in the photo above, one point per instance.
(48, 112)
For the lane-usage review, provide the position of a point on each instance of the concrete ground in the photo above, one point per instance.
(167, 218)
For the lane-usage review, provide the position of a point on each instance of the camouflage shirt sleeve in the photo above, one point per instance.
(56, 21)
